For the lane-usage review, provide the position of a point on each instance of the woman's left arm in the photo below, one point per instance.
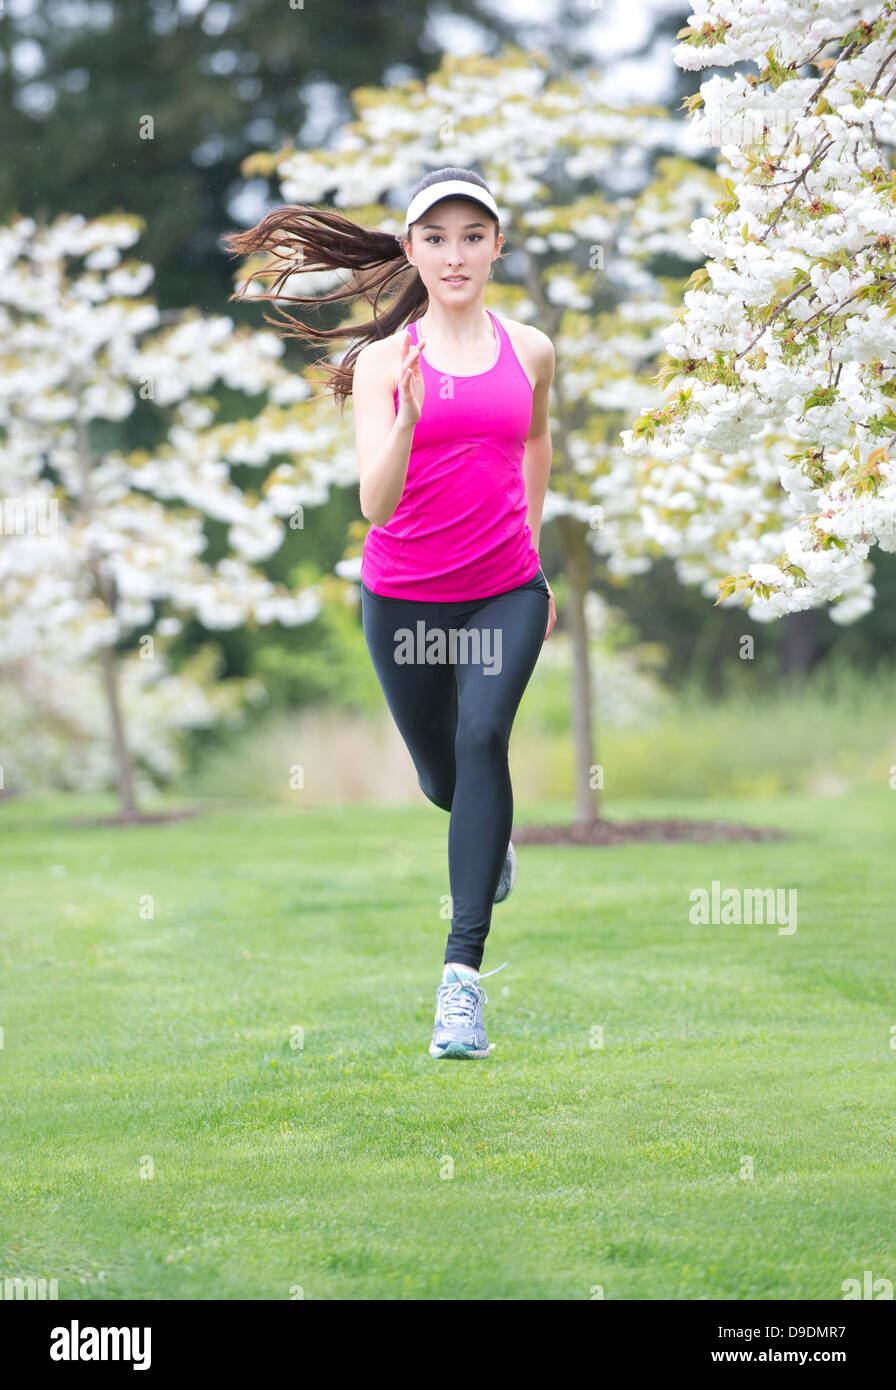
(537, 454)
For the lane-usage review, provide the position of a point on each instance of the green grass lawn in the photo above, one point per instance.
(136, 1044)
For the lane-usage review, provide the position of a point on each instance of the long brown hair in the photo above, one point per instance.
(305, 238)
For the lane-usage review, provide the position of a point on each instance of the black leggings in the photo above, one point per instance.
(455, 713)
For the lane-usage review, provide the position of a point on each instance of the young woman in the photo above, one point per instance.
(454, 456)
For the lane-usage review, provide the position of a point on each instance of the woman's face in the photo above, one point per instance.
(455, 238)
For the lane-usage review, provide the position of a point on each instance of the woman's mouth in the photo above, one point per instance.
(455, 279)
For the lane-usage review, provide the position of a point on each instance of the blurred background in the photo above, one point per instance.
(677, 712)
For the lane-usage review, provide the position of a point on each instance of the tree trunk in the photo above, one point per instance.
(798, 640)
(577, 555)
(124, 768)
(104, 586)
(576, 570)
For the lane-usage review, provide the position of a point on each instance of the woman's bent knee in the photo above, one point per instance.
(439, 796)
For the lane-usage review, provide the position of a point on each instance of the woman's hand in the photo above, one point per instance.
(410, 381)
(552, 612)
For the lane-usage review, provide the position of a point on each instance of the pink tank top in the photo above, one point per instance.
(460, 530)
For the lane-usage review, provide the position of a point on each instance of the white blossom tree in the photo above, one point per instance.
(99, 540)
(784, 355)
(54, 724)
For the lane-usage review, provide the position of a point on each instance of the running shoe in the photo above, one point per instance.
(459, 1030)
(508, 875)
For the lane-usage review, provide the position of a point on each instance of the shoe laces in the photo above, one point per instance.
(458, 998)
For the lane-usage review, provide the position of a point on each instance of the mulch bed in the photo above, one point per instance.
(140, 819)
(599, 832)
(607, 832)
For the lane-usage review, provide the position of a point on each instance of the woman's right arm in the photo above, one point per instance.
(383, 437)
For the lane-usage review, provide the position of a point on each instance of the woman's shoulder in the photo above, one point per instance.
(381, 349)
(533, 348)
(384, 356)
(526, 334)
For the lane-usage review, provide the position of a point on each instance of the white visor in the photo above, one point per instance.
(449, 188)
